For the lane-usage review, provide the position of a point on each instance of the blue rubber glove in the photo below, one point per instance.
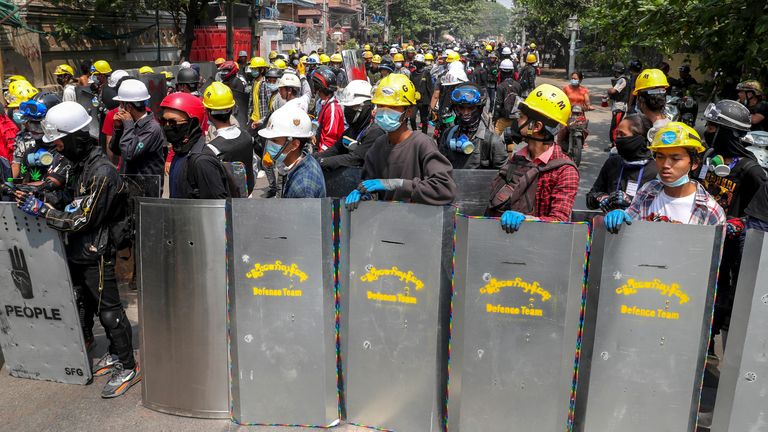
(511, 220)
(33, 206)
(379, 185)
(353, 200)
(614, 219)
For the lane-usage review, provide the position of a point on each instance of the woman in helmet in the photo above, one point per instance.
(406, 166)
(65, 77)
(674, 196)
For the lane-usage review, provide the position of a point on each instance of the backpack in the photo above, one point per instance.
(515, 186)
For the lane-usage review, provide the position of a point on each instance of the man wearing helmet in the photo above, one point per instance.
(260, 99)
(403, 165)
(528, 75)
(619, 95)
(288, 131)
(97, 225)
(751, 95)
(650, 91)
(188, 81)
(65, 77)
(539, 181)
(471, 143)
(330, 117)
(337, 66)
(425, 86)
(508, 94)
(229, 76)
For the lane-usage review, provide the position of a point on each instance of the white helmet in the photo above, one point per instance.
(355, 93)
(185, 65)
(116, 76)
(289, 80)
(393, 50)
(506, 51)
(63, 119)
(456, 66)
(132, 90)
(420, 58)
(288, 121)
(507, 65)
(454, 77)
(448, 51)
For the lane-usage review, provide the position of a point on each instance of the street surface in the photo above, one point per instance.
(28, 405)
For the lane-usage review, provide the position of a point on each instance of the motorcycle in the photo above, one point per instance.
(757, 143)
(681, 107)
(577, 134)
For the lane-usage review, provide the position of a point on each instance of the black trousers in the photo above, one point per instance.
(97, 285)
(423, 111)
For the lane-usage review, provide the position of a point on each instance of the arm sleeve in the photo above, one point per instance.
(499, 149)
(563, 195)
(437, 187)
(92, 208)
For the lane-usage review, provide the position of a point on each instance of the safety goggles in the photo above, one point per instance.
(711, 113)
(33, 109)
(466, 95)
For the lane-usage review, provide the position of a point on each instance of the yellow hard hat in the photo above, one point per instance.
(367, 47)
(410, 48)
(292, 51)
(429, 56)
(650, 78)
(395, 90)
(367, 55)
(488, 48)
(452, 57)
(64, 69)
(12, 78)
(677, 134)
(218, 96)
(257, 62)
(336, 58)
(303, 59)
(549, 101)
(279, 63)
(272, 55)
(146, 70)
(167, 74)
(376, 59)
(101, 67)
(20, 91)
(533, 45)
(398, 57)
(530, 58)
(324, 59)
(219, 61)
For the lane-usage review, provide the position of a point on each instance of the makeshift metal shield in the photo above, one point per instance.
(90, 101)
(354, 65)
(515, 325)
(40, 332)
(648, 339)
(182, 280)
(157, 88)
(242, 106)
(395, 305)
(282, 312)
(340, 182)
(473, 190)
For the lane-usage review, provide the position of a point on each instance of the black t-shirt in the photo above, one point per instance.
(758, 207)
(612, 173)
(735, 192)
(760, 108)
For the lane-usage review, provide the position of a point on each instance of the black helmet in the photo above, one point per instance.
(619, 68)
(730, 114)
(324, 78)
(187, 76)
(387, 64)
(274, 73)
(635, 65)
(34, 110)
(48, 99)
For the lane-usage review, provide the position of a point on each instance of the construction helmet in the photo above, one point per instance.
(336, 58)
(289, 80)
(274, 73)
(324, 59)
(367, 55)
(303, 59)
(313, 59)
(532, 45)
(452, 57)
(20, 91)
(506, 51)
(218, 62)
(398, 58)
(288, 121)
(272, 55)
(507, 65)
(101, 67)
(64, 69)
(279, 64)
(530, 58)
(146, 70)
(488, 48)
(410, 48)
(395, 90)
(429, 57)
(218, 97)
(168, 75)
(750, 85)
(367, 47)
(376, 59)
(355, 93)
(132, 90)
(116, 76)
(63, 119)
(649, 79)
(257, 62)
(548, 101)
(677, 134)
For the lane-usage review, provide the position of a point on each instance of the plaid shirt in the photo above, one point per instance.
(556, 189)
(706, 211)
(305, 180)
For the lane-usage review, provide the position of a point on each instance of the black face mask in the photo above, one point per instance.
(632, 148)
(182, 136)
(513, 134)
(726, 143)
(471, 122)
(77, 146)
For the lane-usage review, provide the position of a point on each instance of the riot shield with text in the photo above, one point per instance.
(40, 332)
(242, 104)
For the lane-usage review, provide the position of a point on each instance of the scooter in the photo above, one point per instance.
(757, 143)
(577, 134)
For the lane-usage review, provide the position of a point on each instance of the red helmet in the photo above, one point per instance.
(189, 104)
(230, 66)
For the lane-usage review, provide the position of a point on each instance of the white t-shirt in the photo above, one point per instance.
(677, 209)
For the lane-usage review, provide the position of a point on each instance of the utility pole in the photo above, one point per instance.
(386, 20)
(325, 23)
(230, 29)
(157, 25)
(573, 26)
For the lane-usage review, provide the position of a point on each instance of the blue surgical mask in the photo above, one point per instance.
(388, 119)
(18, 118)
(677, 183)
(273, 149)
(272, 87)
(574, 82)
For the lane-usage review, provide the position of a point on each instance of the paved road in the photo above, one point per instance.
(27, 405)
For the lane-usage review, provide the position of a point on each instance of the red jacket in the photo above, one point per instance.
(331, 124)
(8, 132)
